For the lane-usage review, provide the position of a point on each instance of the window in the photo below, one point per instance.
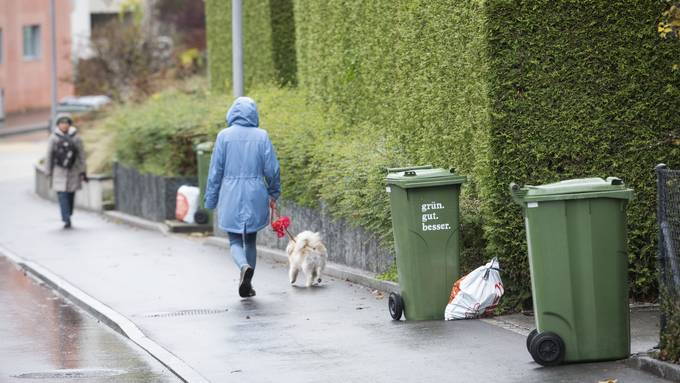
(32, 41)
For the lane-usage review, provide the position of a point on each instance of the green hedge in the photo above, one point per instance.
(527, 91)
(158, 136)
(218, 40)
(579, 88)
(269, 43)
(415, 72)
(669, 345)
(283, 41)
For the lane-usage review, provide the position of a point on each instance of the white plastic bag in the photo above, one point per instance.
(476, 294)
(187, 203)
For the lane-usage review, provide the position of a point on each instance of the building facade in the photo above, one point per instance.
(26, 53)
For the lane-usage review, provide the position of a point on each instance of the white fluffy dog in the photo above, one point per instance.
(306, 253)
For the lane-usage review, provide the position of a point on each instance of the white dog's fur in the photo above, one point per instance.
(306, 253)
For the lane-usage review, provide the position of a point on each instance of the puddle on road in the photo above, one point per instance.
(46, 337)
(71, 374)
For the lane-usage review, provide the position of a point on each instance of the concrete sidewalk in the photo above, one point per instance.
(181, 295)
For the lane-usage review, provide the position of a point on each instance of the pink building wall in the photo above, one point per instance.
(26, 83)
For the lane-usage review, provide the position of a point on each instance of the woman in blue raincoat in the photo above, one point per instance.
(243, 184)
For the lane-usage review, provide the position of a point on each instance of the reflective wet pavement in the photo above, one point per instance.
(44, 338)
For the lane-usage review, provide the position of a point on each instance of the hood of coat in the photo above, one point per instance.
(60, 116)
(243, 112)
(71, 131)
(63, 115)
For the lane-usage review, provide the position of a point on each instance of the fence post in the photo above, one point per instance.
(660, 209)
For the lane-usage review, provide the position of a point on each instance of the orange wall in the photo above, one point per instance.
(26, 83)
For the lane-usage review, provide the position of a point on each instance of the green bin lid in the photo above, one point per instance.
(418, 177)
(204, 147)
(611, 187)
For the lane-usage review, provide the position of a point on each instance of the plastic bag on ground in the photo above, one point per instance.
(187, 203)
(476, 294)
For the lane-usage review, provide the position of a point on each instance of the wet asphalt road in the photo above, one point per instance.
(44, 338)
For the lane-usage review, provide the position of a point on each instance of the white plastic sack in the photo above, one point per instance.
(187, 203)
(476, 294)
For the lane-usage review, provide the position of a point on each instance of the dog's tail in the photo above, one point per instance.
(303, 239)
(300, 244)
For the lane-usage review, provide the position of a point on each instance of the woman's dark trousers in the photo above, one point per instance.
(66, 200)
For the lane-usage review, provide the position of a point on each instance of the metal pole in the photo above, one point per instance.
(661, 252)
(53, 30)
(237, 46)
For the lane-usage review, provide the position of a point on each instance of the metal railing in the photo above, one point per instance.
(668, 217)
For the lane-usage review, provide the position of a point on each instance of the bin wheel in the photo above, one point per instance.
(201, 217)
(547, 349)
(531, 337)
(396, 306)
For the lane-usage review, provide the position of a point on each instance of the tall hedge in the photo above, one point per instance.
(577, 89)
(268, 39)
(218, 40)
(391, 69)
(530, 91)
(283, 41)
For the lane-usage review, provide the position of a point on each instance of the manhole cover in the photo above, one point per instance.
(71, 374)
(185, 313)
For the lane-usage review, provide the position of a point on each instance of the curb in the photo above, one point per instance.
(165, 227)
(108, 316)
(654, 366)
(131, 220)
(22, 130)
(507, 325)
(334, 270)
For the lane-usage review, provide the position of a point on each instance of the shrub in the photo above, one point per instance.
(158, 136)
(126, 56)
(669, 346)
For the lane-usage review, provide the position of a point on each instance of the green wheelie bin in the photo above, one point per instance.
(203, 155)
(424, 204)
(577, 242)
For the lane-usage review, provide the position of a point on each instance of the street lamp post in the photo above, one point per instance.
(237, 46)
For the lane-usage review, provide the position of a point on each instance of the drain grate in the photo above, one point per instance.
(182, 313)
(71, 374)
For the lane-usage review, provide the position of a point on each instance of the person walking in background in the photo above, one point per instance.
(65, 165)
(243, 184)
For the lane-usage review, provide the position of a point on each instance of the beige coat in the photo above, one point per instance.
(63, 179)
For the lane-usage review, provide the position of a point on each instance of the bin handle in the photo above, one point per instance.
(397, 170)
(516, 193)
(614, 181)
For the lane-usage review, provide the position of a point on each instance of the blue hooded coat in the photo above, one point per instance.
(244, 172)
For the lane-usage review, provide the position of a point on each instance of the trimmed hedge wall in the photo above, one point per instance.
(579, 88)
(218, 40)
(527, 91)
(269, 43)
(389, 70)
